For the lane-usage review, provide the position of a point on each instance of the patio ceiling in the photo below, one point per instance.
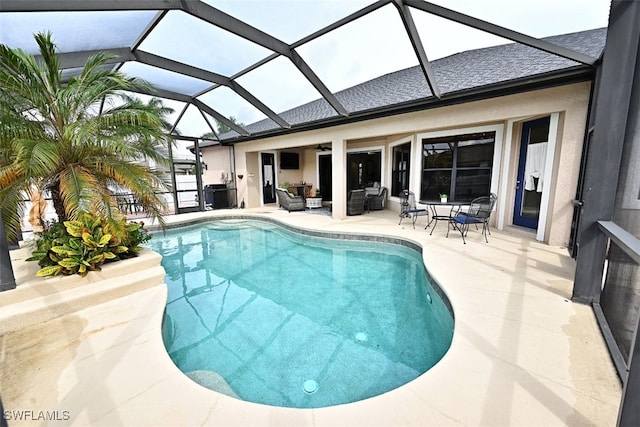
(211, 64)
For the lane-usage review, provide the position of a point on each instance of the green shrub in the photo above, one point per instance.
(77, 247)
(136, 235)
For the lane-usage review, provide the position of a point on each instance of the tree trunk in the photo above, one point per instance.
(58, 204)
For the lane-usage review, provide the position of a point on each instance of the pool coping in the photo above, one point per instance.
(521, 354)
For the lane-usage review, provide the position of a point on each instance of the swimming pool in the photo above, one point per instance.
(268, 315)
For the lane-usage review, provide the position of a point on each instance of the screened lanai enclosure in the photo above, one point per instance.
(241, 72)
(210, 60)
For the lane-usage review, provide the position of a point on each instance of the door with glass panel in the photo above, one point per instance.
(401, 171)
(325, 176)
(187, 169)
(363, 169)
(268, 173)
(530, 181)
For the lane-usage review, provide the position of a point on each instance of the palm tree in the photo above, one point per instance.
(224, 128)
(77, 138)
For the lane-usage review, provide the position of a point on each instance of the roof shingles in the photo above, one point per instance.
(456, 73)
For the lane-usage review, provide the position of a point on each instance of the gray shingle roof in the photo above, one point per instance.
(473, 69)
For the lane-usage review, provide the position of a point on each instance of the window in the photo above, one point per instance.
(459, 166)
(401, 167)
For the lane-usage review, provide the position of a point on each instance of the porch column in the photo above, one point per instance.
(339, 178)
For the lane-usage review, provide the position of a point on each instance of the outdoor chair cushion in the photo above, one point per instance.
(377, 201)
(374, 190)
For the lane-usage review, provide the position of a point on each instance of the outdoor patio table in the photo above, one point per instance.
(313, 202)
(453, 208)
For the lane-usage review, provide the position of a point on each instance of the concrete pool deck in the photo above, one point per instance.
(522, 353)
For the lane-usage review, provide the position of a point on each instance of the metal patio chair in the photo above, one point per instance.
(479, 212)
(408, 208)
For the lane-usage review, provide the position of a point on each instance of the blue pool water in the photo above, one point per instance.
(267, 315)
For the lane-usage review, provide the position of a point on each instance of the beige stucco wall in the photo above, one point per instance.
(292, 176)
(570, 101)
(219, 163)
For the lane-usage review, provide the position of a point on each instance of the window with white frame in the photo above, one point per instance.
(458, 166)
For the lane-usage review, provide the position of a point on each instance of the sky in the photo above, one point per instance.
(367, 48)
(372, 46)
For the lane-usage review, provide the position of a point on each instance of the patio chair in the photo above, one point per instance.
(376, 200)
(373, 189)
(492, 200)
(479, 213)
(355, 202)
(288, 201)
(408, 207)
(128, 204)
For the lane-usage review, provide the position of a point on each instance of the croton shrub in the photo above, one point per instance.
(80, 246)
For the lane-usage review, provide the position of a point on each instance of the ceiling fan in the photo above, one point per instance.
(319, 147)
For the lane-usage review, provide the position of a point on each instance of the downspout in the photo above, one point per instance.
(233, 171)
(196, 145)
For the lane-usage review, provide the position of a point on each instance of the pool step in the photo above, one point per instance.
(36, 300)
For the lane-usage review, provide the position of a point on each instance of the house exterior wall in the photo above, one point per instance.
(219, 165)
(570, 102)
(293, 176)
(249, 187)
(308, 159)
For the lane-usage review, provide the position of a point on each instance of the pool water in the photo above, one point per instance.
(271, 316)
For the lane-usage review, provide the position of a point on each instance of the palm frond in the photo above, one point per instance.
(78, 189)
(51, 61)
(72, 137)
(12, 205)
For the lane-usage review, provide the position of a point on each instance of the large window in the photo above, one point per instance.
(401, 168)
(459, 166)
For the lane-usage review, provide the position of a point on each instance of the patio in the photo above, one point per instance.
(523, 353)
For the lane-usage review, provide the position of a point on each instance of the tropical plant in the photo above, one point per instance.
(224, 128)
(135, 236)
(77, 138)
(80, 246)
(221, 128)
(209, 135)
